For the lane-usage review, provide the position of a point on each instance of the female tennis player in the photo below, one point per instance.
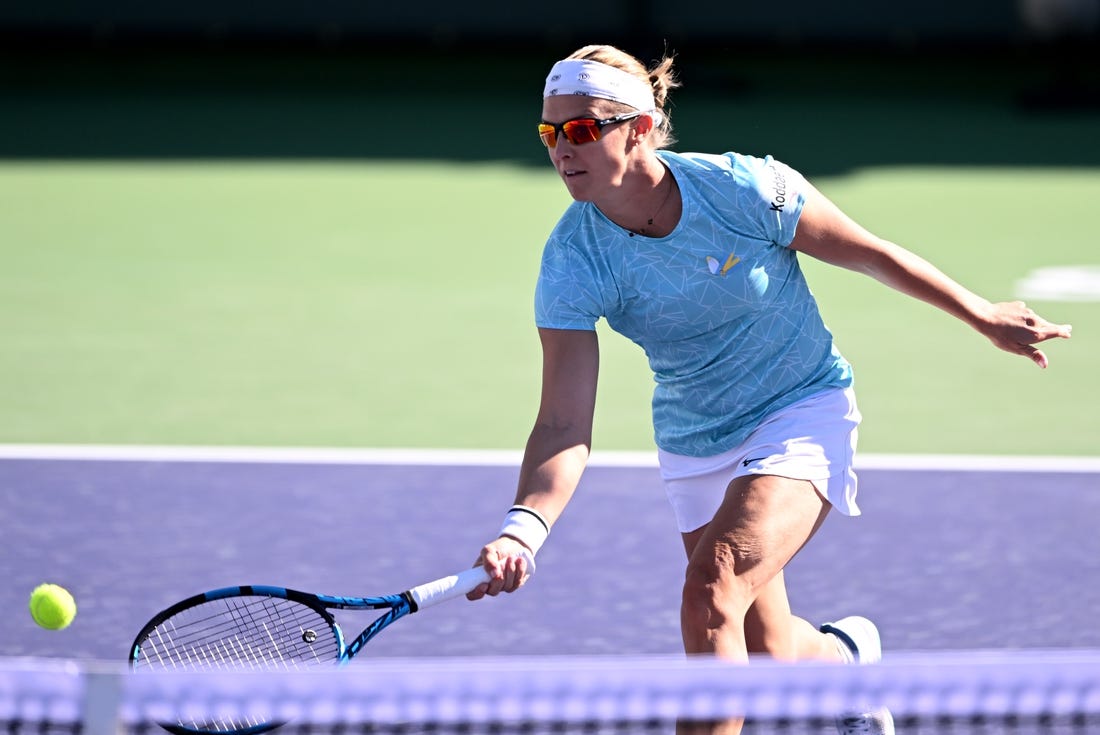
(695, 258)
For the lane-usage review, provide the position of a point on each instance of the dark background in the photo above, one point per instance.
(449, 24)
(448, 80)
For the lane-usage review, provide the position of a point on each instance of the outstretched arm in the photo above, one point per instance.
(557, 449)
(829, 235)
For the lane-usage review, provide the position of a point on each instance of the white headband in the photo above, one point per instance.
(593, 79)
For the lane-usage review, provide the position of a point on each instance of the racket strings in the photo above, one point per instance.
(262, 633)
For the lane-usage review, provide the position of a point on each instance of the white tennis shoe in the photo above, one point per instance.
(861, 637)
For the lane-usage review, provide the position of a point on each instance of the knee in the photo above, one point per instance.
(713, 597)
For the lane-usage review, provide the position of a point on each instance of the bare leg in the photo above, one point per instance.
(762, 523)
(771, 628)
(735, 601)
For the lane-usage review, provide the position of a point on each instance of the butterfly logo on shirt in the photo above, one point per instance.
(718, 269)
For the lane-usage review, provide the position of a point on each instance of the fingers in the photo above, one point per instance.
(1037, 356)
(1039, 328)
(1042, 330)
(507, 569)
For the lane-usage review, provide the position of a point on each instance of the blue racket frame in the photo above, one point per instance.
(397, 606)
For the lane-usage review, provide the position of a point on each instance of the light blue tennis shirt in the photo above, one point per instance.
(720, 305)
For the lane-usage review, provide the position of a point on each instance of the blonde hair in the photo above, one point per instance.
(661, 78)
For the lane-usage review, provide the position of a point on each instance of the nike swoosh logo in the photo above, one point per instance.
(747, 462)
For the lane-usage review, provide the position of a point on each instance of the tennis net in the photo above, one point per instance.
(971, 692)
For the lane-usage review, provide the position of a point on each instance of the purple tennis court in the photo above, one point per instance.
(941, 559)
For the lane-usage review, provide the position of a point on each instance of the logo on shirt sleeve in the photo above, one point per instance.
(779, 189)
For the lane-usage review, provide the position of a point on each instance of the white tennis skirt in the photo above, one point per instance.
(813, 439)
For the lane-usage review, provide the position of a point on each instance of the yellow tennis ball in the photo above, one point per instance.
(52, 606)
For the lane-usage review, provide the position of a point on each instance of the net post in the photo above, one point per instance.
(102, 701)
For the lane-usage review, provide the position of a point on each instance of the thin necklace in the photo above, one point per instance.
(668, 195)
(665, 200)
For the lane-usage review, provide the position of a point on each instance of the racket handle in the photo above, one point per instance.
(456, 585)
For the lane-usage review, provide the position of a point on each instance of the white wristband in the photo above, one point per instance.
(527, 526)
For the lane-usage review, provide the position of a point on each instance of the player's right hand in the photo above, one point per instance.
(508, 564)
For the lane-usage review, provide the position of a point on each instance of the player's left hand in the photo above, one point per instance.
(1015, 328)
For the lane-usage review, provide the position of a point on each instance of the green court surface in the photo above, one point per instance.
(176, 294)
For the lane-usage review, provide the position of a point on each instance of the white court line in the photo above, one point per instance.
(499, 458)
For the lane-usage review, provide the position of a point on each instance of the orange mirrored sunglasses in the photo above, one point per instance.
(580, 130)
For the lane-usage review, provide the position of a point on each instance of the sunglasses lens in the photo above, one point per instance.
(577, 132)
(581, 131)
(548, 135)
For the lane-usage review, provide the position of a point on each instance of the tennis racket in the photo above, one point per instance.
(271, 628)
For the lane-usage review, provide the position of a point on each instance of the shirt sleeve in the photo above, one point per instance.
(567, 294)
(780, 193)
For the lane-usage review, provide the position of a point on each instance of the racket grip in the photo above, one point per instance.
(456, 585)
